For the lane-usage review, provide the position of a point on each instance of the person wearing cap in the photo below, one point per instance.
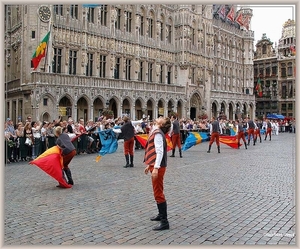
(128, 133)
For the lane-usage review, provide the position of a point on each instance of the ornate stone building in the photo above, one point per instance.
(132, 59)
(275, 67)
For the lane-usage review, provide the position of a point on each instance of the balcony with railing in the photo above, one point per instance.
(52, 79)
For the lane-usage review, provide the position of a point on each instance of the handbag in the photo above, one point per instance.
(28, 141)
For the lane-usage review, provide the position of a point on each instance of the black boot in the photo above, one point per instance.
(245, 145)
(218, 149)
(209, 147)
(69, 176)
(164, 223)
(173, 153)
(238, 145)
(180, 153)
(131, 161)
(158, 217)
(127, 161)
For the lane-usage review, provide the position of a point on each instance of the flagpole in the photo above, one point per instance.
(46, 56)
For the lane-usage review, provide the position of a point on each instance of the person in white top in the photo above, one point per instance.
(276, 128)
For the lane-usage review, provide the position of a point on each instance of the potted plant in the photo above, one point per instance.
(108, 113)
(172, 113)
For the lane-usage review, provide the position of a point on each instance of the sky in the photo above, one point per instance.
(269, 19)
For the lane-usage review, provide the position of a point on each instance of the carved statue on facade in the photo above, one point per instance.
(157, 69)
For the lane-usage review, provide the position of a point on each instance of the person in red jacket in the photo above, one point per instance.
(156, 161)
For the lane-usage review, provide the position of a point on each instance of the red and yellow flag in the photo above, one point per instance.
(40, 51)
(51, 162)
(230, 141)
(142, 138)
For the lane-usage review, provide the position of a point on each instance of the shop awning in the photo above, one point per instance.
(275, 116)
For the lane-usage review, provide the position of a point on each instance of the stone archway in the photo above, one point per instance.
(98, 108)
(45, 117)
(126, 108)
(82, 109)
(195, 106)
(138, 110)
(65, 108)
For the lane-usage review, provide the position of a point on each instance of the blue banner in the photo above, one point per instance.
(109, 142)
(91, 5)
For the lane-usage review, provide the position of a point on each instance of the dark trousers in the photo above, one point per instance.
(67, 159)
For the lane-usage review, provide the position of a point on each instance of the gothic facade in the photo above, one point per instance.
(275, 68)
(132, 59)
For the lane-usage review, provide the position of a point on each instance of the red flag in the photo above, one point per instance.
(230, 14)
(230, 141)
(247, 22)
(142, 138)
(221, 11)
(51, 162)
(240, 19)
(258, 88)
(293, 50)
(40, 51)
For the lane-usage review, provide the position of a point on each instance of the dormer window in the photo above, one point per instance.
(264, 49)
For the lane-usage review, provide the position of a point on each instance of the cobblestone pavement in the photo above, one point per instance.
(233, 198)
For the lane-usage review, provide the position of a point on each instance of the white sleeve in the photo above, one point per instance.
(159, 149)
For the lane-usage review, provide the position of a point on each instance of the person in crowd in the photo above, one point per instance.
(276, 128)
(10, 135)
(128, 132)
(175, 136)
(68, 151)
(19, 142)
(50, 135)
(36, 132)
(70, 126)
(82, 141)
(90, 128)
(156, 161)
(29, 140)
(240, 133)
(138, 130)
(215, 130)
(269, 129)
(44, 137)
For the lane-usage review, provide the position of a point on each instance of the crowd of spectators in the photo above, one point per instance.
(25, 141)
